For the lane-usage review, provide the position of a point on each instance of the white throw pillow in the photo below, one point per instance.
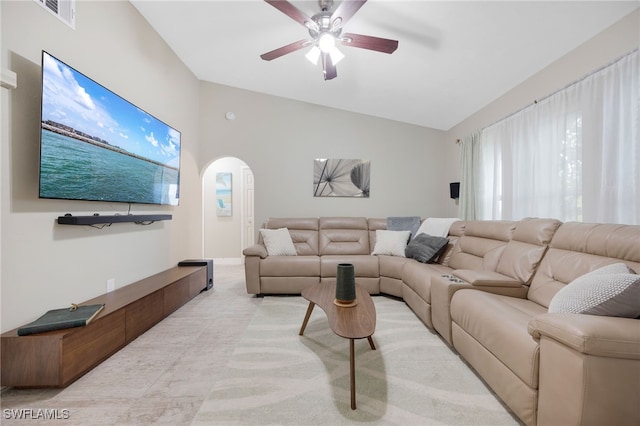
(278, 242)
(437, 226)
(392, 243)
(613, 290)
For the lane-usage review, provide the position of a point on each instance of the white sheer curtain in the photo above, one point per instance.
(470, 167)
(574, 156)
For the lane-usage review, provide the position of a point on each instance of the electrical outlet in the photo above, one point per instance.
(111, 284)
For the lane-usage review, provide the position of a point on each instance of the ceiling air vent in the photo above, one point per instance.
(65, 10)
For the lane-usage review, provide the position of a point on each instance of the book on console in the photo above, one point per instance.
(59, 319)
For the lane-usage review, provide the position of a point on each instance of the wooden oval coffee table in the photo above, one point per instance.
(356, 322)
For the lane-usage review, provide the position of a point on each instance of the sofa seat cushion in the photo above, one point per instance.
(364, 265)
(290, 266)
(391, 266)
(417, 276)
(500, 325)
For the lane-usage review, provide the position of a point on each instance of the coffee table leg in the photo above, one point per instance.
(306, 317)
(371, 343)
(352, 370)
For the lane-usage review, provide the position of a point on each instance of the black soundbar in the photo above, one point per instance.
(96, 219)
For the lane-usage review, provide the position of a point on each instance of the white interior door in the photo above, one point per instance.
(248, 230)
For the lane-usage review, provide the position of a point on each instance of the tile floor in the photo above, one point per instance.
(161, 377)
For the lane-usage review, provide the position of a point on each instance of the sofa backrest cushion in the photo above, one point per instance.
(579, 248)
(343, 235)
(455, 232)
(482, 244)
(523, 253)
(304, 233)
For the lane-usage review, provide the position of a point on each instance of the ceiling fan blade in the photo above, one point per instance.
(328, 67)
(285, 49)
(292, 12)
(378, 44)
(346, 10)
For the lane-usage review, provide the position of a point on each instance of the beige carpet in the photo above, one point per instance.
(275, 377)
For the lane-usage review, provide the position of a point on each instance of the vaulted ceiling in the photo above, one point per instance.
(454, 57)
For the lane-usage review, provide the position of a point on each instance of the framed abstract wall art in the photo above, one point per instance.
(341, 178)
(224, 194)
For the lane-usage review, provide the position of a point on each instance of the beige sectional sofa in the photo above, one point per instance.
(488, 296)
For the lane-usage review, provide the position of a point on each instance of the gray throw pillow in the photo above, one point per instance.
(426, 248)
(611, 291)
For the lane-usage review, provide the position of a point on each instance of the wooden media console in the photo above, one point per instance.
(57, 358)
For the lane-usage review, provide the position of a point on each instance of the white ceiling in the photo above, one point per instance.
(453, 57)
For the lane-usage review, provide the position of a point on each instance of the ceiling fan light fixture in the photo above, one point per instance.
(336, 55)
(313, 55)
(326, 42)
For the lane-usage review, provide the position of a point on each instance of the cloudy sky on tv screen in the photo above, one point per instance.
(71, 99)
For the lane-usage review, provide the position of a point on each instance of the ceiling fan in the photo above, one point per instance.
(325, 29)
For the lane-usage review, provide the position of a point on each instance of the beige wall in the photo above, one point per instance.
(279, 139)
(610, 44)
(45, 265)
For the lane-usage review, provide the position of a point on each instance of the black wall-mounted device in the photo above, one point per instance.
(454, 190)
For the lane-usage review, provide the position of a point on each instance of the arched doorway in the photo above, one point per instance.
(228, 209)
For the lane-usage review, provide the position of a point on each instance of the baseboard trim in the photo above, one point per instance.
(228, 261)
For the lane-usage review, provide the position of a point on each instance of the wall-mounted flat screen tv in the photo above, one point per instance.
(97, 146)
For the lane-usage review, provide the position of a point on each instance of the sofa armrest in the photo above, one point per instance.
(590, 334)
(443, 288)
(486, 278)
(256, 250)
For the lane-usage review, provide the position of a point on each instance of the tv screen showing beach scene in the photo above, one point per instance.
(96, 146)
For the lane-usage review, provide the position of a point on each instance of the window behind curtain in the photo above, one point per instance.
(574, 156)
